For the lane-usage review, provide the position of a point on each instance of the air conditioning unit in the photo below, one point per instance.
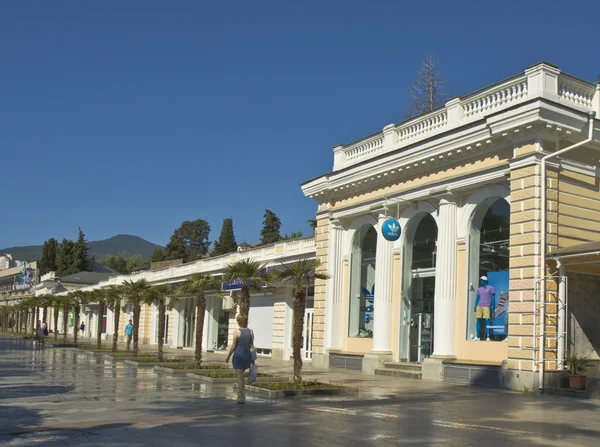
(228, 303)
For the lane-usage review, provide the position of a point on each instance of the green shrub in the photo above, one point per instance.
(304, 385)
(229, 374)
(194, 367)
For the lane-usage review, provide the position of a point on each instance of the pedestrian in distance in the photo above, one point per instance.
(242, 352)
(42, 333)
(129, 333)
(82, 328)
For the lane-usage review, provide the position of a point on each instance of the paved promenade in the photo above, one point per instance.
(61, 397)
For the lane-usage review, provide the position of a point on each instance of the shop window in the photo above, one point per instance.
(489, 257)
(362, 287)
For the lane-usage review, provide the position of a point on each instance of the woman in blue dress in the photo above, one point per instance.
(243, 341)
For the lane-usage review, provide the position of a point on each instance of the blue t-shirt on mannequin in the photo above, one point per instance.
(484, 306)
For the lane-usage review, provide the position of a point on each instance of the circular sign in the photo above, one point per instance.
(391, 230)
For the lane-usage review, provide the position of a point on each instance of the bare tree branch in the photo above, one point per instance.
(427, 91)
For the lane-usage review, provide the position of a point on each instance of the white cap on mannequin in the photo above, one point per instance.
(483, 278)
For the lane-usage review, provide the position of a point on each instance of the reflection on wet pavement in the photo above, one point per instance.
(59, 396)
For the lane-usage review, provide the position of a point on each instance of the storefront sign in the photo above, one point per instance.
(391, 230)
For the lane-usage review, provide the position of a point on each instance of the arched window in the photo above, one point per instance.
(489, 256)
(362, 286)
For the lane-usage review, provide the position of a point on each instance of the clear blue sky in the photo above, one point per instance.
(132, 116)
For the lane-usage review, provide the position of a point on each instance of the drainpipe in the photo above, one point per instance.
(560, 361)
(543, 243)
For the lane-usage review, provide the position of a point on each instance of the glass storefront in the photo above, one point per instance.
(362, 286)
(487, 310)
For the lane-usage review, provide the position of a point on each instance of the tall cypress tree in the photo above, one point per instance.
(271, 228)
(226, 243)
(47, 262)
(82, 261)
(65, 258)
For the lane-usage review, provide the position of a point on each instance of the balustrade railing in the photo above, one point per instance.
(575, 91)
(540, 80)
(422, 126)
(499, 97)
(364, 148)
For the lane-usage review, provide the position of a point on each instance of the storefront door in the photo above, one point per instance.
(422, 299)
(307, 334)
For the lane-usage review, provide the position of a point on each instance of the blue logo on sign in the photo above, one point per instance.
(391, 230)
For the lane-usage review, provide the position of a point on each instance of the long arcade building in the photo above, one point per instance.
(465, 183)
(270, 310)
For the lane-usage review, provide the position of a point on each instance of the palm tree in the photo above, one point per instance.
(98, 295)
(137, 292)
(113, 296)
(198, 285)
(65, 302)
(251, 275)
(78, 299)
(69, 301)
(301, 274)
(159, 294)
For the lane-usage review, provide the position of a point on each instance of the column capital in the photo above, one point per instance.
(445, 197)
(336, 223)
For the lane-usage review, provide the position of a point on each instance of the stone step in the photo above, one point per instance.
(416, 367)
(398, 373)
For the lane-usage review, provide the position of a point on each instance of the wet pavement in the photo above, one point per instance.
(65, 397)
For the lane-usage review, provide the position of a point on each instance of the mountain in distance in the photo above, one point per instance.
(115, 245)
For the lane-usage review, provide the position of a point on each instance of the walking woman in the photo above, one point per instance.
(42, 333)
(243, 341)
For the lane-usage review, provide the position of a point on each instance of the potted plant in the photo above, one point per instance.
(577, 366)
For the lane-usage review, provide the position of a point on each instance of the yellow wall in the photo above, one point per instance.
(578, 208)
(407, 180)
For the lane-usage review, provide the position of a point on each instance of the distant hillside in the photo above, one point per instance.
(113, 246)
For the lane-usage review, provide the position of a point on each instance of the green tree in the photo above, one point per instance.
(137, 293)
(137, 261)
(48, 260)
(190, 241)
(251, 275)
(271, 228)
(226, 243)
(117, 263)
(198, 285)
(175, 249)
(293, 236)
(65, 259)
(159, 255)
(82, 260)
(301, 274)
(313, 224)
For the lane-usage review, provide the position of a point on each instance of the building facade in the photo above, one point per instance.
(479, 189)
(270, 314)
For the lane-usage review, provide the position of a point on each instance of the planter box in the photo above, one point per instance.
(175, 372)
(226, 380)
(292, 393)
(577, 382)
(134, 362)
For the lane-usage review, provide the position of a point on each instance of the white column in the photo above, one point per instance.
(384, 261)
(444, 323)
(335, 287)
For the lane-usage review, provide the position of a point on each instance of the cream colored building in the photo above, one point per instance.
(464, 182)
(270, 315)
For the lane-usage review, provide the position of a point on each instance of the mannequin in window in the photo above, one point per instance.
(484, 305)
